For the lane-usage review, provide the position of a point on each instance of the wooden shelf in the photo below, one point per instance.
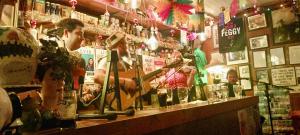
(98, 7)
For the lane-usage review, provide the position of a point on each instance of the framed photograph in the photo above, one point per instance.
(294, 54)
(216, 58)
(257, 21)
(258, 42)
(244, 71)
(246, 84)
(237, 57)
(284, 76)
(277, 56)
(285, 26)
(259, 58)
(262, 76)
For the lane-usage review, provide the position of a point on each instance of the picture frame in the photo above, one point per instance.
(294, 54)
(277, 56)
(283, 76)
(258, 42)
(259, 59)
(262, 76)
(216, 58)
(257, 21)
(237, 57)
(246, 84)
(285, 26)
(244, 71)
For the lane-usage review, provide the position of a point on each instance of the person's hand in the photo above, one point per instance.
(193, 72)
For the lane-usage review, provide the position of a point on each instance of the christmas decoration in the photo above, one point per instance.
(171, 10)
(234, 7)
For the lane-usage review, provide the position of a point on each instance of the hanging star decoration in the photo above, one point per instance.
(178, 10)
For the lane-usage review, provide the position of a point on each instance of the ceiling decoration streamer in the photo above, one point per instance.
(174, 10)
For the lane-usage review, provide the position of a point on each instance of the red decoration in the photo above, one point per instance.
(234, 7)
(170, 10)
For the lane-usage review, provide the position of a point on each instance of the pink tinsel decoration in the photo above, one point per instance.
(234, 7)
(191, 36)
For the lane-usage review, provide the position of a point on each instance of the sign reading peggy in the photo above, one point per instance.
(232, 36)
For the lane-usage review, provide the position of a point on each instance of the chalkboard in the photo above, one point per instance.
(284, 76)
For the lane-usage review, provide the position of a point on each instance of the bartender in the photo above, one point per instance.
(232, 78)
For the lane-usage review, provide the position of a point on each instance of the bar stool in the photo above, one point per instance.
(295, 111)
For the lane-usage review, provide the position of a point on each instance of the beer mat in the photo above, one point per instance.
(20, 88)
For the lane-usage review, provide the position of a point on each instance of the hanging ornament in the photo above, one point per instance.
(73, 3)
(191, 36)
(221, 17)
(174, 10)
(234, 7)
(152, 41)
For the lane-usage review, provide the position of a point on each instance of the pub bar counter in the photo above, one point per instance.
(227, 118)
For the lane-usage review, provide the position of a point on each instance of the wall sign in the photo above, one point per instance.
(284, 76)
(232, 36)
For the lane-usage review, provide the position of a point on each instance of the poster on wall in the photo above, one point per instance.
(148, 64)
(285, 26)
(88, 54)
(283, 76)
(232, 36)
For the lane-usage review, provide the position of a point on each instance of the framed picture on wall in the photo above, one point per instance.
(285, 26)
(259, 58)
(277, 56)
(284, 76)
(258, 42)
(237, 57)
(244, 71)
(294, 54)
(257, 21)
(262, 76)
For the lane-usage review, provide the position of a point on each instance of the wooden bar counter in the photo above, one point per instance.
(193, 118)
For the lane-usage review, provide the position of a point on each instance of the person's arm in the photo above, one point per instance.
(190, 79)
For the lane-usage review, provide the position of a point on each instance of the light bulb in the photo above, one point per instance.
(202, 36)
